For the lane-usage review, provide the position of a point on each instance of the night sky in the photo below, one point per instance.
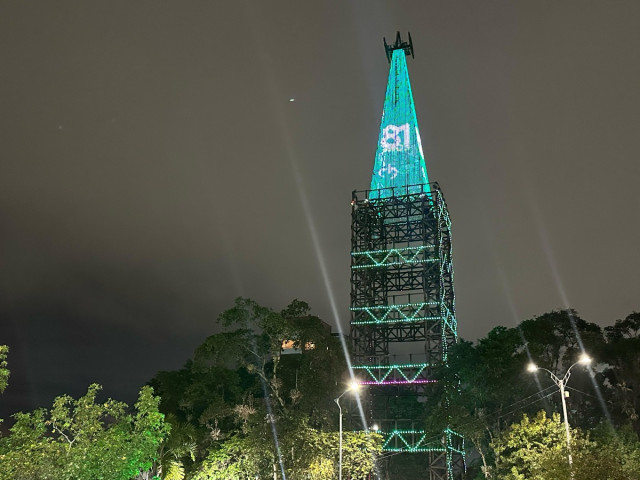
(153, 167)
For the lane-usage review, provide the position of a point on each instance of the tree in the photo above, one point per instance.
(306, 453)
(556, 339)
(360, 451)
(521, 449)
(479, 388)
(536, 450)
(623, 368)
(604, 454)
(4, 371)
(180, 444)
(485, 387)
(237, 459)
(257, 411)
(82, 440)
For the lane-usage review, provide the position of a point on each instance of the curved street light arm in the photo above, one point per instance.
(561, 383)
(553, 376)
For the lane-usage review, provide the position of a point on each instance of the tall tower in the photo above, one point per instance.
(402, 301)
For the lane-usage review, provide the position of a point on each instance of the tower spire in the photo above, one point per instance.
(399, 164)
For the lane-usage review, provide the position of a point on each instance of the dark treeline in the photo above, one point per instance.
(242, 408)
(490, 388)
(240, 392)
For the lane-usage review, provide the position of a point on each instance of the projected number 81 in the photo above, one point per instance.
(395, 138)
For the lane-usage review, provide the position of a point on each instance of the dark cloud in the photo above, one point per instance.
(152, 167)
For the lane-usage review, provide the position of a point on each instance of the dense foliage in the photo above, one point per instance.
(241, 408)
(84, 440)
(536, 449)
(254, 412)
(489, 389)
(4, 371)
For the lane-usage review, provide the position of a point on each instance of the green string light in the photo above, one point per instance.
(386, 370)
(407, 312)
(394, 256)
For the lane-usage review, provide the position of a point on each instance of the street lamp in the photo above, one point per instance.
(353, 387)
(562, 383)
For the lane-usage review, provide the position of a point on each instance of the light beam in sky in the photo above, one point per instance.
(308, 213)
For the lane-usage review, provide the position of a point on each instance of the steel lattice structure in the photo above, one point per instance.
(402, 296)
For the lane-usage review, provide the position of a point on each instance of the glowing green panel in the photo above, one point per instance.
(399, 158)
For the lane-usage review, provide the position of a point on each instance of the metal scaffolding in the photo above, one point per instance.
(403, 311)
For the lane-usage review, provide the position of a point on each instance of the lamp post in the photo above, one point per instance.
(562, 383)
(353, 387)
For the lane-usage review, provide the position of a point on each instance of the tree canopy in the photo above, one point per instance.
(487, 387)
(4, 371)
(243, 406)
(84, 440)
(256, 411)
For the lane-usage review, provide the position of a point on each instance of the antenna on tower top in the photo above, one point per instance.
(399, 45)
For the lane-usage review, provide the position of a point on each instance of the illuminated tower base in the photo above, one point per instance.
(403, 316)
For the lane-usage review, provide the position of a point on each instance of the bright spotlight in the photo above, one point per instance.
(585, 359)
(532, 367)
